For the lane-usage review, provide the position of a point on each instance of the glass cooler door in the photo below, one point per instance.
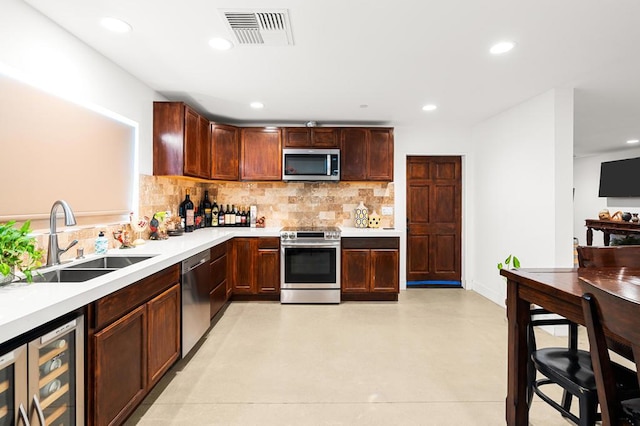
(13, 387)
(56, 376)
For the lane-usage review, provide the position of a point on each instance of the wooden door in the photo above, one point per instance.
(261, 154)
(243, 254)
(297, 137)
(353, 154)
(355, 266)
(384, 271)
(120, 368)
(164, 333)
(268, 265)
(191, 146)
(225, 152)
(434, 220)
(380, 155)
(325, 138)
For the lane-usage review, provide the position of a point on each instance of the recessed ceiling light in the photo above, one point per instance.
(256, 105)
(364, 106)
(429, 107)
(633, 141)
(115, 25)
(502, 47)
(220, 43)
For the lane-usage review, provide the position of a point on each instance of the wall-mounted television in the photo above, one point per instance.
(620, 178)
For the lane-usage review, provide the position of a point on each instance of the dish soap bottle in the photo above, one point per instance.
(101, 244)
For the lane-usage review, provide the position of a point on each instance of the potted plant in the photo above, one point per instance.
(18, 251)
(508, 262)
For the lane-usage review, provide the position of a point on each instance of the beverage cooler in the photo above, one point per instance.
(42, 381)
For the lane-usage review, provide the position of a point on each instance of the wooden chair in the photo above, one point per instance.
(607, 311)
(602, 257)
(570, 367)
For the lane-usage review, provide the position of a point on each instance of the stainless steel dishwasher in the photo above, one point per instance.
(195, 299)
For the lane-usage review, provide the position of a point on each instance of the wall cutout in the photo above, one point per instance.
(53, 148)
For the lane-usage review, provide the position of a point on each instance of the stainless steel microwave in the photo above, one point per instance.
(310, 164)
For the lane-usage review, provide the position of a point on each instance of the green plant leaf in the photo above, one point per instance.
(507, 260)
(516, 262)
(500, 266)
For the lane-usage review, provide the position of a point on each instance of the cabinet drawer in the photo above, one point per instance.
(371, 243)
(218, 251)
(268, 243)
(218, 271)
(217, 298)
(116, 305)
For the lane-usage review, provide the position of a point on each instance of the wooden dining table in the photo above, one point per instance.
(557, 290)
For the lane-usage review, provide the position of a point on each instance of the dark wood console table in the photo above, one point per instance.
(609, 227)
(559, 291)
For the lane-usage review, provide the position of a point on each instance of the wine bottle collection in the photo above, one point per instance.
(207, 214)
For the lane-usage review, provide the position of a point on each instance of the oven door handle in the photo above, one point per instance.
(311, 245)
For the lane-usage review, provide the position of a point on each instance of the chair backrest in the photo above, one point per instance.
(599, 257)
(606, 311)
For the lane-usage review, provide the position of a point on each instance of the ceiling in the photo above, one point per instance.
(393, 57)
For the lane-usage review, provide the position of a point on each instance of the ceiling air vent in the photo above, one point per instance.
(263, 27)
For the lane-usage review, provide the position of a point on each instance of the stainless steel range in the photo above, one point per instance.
(310, 265)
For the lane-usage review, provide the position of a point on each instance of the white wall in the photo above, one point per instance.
(429, 140)
(587, 204)
(50, 57)
(522, 190)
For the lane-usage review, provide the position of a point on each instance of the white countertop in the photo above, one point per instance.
(24, 307)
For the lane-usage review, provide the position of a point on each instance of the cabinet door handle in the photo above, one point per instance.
(38, 408)
(23, 416)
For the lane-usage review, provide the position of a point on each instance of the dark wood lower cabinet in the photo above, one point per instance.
(120, 368)
(129, 352)
(218, 294)
(163, 345)
(255, 266)
(370, 268)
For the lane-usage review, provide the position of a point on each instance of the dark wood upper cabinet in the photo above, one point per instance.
(314, 137)
(353, 154)
(260, 153)
(366, 154)
(181, 142)
(225, 152)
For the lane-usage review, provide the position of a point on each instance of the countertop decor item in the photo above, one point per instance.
(361, 216)
(138, 225)
(635, 218)
(374, 220)
(18, 251)
(626, 216)
(102, 244)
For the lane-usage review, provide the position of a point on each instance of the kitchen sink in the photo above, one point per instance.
(109, 262)
(68, 275)
(85, 271)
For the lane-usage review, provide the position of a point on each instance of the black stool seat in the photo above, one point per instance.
(631, 408)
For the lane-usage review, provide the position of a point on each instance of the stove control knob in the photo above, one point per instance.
(292, 235)
(283, 236)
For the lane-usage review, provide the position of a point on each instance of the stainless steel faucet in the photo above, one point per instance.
(54, 251)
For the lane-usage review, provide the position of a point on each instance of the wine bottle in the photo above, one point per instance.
(214, 214)
(221, 216)
(227, 216)
(206, 205)
(243, 217)
(238, 216)
(187, 212)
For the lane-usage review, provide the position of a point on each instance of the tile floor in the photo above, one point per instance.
(436, 357)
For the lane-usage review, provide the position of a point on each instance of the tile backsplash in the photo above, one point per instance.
(282, 204)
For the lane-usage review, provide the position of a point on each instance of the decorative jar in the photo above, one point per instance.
(361, 216)
(374, 220)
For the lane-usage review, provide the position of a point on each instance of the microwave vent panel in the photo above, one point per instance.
(259, 27)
